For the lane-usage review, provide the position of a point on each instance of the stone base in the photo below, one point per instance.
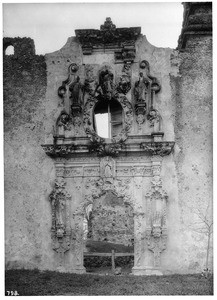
(146, 271)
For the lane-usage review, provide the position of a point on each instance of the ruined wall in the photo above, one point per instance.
(192, 95)
(27, 168)
(32, 108)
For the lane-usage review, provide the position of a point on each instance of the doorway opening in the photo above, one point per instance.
(109, 235)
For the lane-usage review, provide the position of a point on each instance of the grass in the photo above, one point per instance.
(35, 283)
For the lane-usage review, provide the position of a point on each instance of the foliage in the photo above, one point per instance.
(34, 282)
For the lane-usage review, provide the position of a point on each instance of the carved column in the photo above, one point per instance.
(156, 227)
(138, 226)
(78, 243)
(60, 230)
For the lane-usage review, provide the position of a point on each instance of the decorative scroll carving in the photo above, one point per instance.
(61, 230)
(73, 68)
(106, 37)
(156, 231)
(158, 148)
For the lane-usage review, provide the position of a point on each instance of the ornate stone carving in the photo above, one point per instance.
(72, 69)
(75, 89)
(142, 87)
(61, 230)
(153, 117)
(158, 148)
(156, 230)
(88, 123)
(106, 37)
(103, 149)
(106, 85)
(107, 168)
(62, 150)
(124, 84)
(144, 92)
(63, 123)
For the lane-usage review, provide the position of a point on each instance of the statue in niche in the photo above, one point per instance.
(141, 88)
(106, 84)
(76, 91)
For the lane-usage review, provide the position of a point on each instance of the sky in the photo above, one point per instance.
(51, 24)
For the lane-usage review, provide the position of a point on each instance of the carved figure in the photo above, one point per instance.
(141, 88)
(63, 120)
(153, 117)
(106, 84)
(76, 88)
(124, 85)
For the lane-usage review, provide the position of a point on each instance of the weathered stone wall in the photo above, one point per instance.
(32, 107)
(192, 95)
(28, 171)
(192, 90)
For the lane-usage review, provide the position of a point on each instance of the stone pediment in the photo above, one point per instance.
(108, 37)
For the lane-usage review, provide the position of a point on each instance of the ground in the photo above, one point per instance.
(35, 283)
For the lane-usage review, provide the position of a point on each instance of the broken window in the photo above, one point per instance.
(108, 118)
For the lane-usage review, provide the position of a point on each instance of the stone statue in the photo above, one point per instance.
(106, 83)
(75, 88)
(141, 88)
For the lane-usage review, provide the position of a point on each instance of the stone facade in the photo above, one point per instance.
(150, 175)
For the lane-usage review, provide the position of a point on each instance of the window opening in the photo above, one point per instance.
(107, 118)
(9, 50)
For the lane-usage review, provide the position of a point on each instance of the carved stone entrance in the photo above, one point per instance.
(128, 165)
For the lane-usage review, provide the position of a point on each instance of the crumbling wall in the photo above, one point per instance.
(27, 168)
(192, 95)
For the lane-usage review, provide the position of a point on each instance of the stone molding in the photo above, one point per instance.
(111, 149)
